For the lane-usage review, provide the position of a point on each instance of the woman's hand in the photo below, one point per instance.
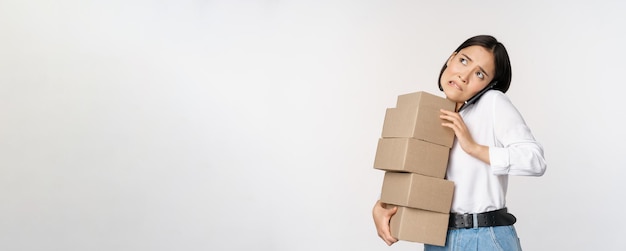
(456, 123)
(382, 216)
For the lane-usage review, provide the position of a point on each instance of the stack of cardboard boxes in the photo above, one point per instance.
(413, 152)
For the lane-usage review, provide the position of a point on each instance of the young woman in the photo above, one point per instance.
(492, 142)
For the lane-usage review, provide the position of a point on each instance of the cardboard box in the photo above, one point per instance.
(417, 191)
(416, 225)
(412, 155)
(419, 123)
(424, 99)
(417, 116)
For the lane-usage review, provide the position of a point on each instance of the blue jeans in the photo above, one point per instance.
(503, 238)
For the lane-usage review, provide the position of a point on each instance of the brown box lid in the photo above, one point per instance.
(417, 191)
(412, 155)
(419, 122)
(424, 99)
(416, 225)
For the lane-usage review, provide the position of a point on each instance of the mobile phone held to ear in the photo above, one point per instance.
(475, 98)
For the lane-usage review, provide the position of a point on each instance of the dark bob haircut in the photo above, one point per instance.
(501, 58)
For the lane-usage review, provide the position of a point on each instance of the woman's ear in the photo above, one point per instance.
(450, 58)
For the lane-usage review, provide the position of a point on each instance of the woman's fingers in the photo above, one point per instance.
(382, 215)
(389, 239)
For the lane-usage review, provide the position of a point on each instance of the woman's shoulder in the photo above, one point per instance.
(496, 96)
(498, 102)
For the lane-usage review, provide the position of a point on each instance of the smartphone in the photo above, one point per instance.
(477, 96)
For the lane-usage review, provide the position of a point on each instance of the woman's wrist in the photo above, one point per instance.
(480, 152)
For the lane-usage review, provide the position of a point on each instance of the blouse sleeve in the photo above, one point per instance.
(516, 151)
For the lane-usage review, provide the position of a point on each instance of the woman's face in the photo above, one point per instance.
(468, 71)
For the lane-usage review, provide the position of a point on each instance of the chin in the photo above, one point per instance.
(454, 97)
(452, 94)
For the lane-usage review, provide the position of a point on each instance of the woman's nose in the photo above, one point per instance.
(463, 78)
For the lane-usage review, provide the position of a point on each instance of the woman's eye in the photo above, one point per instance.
(480, 75)
(463, 61)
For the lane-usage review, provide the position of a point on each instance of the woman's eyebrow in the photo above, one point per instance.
(470, 59)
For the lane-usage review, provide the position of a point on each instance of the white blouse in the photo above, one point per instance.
(495, 122)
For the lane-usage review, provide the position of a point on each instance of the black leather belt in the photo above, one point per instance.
(488, 219)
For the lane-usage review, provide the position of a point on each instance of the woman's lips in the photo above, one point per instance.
(453, 84)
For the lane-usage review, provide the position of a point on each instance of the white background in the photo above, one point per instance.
(252, 125)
